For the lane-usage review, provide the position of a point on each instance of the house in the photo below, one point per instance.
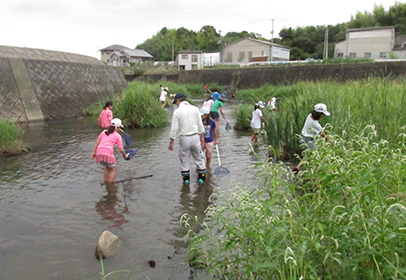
(189, 60)
(249, 50)
(118, 55)
(371, 42)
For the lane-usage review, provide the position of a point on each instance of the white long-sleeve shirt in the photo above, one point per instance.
(186, 120)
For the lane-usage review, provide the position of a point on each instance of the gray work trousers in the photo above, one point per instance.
(190, 146)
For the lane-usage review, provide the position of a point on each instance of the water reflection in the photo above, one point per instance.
(194, 204)
(111, 208)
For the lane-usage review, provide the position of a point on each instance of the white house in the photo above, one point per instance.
(189, 60)
(371, 42)
(118, 55)
(249, 50)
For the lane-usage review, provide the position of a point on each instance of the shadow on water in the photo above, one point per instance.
(54, 208)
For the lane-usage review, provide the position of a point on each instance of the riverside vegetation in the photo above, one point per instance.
(353, 106)
(342, 217)
(10, 138)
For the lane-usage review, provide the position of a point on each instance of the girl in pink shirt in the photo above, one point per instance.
(103, 149)
(106, 115)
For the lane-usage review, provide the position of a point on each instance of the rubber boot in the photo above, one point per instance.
(202, 176)
(185, 176)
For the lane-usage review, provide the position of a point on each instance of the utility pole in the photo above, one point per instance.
(272, 40)
(172, 49)
(219, 42)
(325, 53)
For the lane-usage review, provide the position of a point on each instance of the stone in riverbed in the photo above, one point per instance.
(108, 244)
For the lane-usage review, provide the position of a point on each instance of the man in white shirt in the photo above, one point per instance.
(187, 122)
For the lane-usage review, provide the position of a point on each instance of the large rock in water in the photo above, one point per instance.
(108, 244)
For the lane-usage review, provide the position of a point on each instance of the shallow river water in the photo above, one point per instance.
(53, 207)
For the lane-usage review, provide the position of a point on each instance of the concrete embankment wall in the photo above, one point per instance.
(40, 84)
(253, 77)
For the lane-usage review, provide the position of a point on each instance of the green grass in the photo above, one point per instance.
(10, 138)
(344, 217)
(353, 105)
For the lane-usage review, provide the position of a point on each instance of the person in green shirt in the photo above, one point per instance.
(215, 109)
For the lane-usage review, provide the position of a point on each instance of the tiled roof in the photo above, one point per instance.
(115, 48)
(258, 41)
(137, 53)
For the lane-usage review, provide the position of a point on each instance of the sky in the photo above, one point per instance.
(86, 26)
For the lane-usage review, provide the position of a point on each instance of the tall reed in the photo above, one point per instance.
(353, 105)
(343, 218)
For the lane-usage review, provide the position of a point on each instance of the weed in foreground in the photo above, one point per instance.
(344, 217)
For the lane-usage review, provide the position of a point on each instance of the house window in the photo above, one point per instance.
(367, 55)
(249, 56)
(229, 57)
(383, 55)
(241, 56)
(340, 54)
(184, 56)
(194, 66)
(353, 54)
(194, 58)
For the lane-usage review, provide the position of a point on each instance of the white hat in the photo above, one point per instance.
(321, 108)
(204, 111)
(261, 104)
(116, 122)
(166, 88)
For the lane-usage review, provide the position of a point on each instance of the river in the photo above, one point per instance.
(54, 207)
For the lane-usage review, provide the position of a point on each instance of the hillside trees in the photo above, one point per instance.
(304, 42)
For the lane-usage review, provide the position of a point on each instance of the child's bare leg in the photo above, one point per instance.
(106, 175)
(208, 163)
(112, 172)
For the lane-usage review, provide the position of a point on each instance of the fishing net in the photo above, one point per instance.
(228, 127)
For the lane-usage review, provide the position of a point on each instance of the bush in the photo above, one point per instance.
(243, 115)
(10, 138)
(139, 106)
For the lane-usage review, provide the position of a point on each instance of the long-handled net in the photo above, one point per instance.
(220, 169)
(129, 145)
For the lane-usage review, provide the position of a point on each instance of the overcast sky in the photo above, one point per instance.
(85, 26)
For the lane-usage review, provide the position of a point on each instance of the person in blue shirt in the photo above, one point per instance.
(215, 95)
(209, 137)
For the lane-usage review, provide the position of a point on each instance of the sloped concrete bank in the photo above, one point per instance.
(41, 84)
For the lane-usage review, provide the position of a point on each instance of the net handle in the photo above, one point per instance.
(218, 155)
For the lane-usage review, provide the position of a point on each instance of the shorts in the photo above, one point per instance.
(208, 148)
(307, 142)
(256, 130)
(214, 115)
(108, 165)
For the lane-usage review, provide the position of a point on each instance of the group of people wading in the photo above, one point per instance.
(197, 130)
